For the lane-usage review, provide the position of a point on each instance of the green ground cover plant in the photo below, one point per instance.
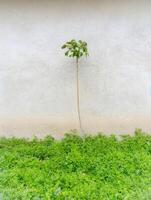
(76, 168)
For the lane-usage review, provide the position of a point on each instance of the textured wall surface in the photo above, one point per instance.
(37, 83)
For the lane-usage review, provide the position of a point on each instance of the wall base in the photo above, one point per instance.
(58, 126)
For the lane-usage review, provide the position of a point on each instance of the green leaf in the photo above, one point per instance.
(64, 46)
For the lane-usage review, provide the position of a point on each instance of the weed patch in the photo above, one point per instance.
(75, 168)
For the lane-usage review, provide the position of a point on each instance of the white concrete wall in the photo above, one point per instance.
(37, 83)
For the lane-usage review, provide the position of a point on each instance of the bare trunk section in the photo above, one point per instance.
(78, 96)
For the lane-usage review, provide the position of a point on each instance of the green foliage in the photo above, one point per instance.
(75, 48)
(75, 168)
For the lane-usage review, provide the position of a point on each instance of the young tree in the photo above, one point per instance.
(76, 49)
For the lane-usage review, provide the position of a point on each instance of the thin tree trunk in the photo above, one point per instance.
(78, 95)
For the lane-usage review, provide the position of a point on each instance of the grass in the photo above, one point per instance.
(89, 168)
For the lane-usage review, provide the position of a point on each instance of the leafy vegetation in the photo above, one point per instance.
(75, 168)
(76, 49)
